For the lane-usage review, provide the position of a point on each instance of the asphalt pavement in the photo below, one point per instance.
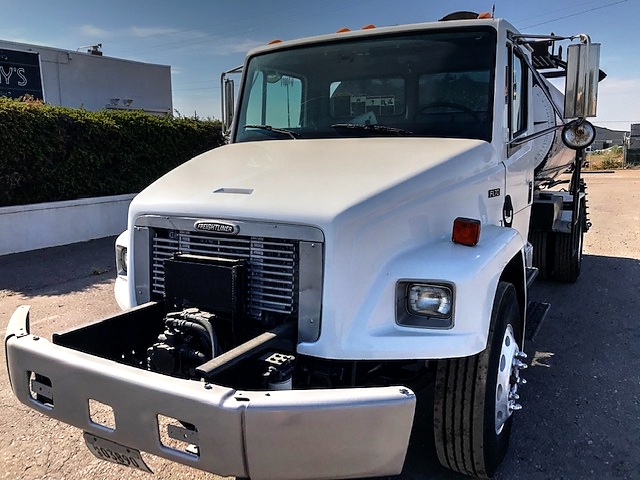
(581, 416)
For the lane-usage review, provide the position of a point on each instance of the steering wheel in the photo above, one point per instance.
(453, 105)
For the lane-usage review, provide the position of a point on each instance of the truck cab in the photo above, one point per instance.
(365, 232)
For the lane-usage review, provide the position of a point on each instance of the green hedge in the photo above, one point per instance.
(53, 153)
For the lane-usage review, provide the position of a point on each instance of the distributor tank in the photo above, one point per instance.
(552, 156)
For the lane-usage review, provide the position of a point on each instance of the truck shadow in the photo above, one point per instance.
(581, 403)
(606, 277)
(59, 270)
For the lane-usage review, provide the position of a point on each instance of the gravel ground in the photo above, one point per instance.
(582, 403)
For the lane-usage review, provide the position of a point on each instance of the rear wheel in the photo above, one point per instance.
(568, 251)
(539, 241)
(476, 396)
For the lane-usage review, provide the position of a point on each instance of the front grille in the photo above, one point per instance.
(271, 265)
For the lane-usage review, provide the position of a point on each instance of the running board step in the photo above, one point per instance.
(536, 313)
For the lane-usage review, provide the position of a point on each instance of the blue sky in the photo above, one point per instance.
(202, 38)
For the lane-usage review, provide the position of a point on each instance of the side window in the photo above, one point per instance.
(275, 100)
(518, 95)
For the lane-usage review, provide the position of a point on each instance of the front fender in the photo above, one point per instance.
(473, 271)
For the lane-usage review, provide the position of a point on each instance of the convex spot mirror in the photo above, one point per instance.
(578, 134)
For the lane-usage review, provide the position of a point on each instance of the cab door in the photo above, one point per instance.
(520, 161)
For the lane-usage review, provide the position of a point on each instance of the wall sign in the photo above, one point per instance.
(20, 74)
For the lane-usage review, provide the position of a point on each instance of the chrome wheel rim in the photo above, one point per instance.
(508, 378)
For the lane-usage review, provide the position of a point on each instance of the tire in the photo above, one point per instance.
(568, 252)
(541, 254)
(467, 411)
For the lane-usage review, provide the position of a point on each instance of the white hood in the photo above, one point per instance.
(304, 181)
(382, 204)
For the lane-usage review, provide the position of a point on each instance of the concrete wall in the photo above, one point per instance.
(29, 227)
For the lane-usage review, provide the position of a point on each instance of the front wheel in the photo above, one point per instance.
(475, 396)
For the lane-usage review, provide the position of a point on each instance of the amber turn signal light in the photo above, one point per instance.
(466, 231)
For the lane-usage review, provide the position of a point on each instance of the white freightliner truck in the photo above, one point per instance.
(384, 201)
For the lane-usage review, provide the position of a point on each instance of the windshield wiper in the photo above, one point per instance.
(372, 128)
(269, 128)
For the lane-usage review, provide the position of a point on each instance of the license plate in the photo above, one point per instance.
(114, 452)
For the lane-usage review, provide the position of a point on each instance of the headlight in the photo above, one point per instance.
(121, 260)
(429, 300)
(424, 305)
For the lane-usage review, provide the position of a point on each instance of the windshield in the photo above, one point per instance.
(434, 84)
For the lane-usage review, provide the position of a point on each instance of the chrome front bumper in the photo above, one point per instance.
(280, 435)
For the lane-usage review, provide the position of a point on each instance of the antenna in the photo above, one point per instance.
(493, 10)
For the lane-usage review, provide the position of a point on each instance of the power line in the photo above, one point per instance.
(577, 13)
(546, 14)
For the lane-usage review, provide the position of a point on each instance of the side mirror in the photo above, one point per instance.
(228, 103)
(227, 94)
(581, 88)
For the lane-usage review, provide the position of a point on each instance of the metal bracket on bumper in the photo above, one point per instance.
(295, 434)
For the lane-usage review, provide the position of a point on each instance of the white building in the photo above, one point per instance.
(83, 79)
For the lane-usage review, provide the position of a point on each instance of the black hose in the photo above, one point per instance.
(207, 325)
(199, 329)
